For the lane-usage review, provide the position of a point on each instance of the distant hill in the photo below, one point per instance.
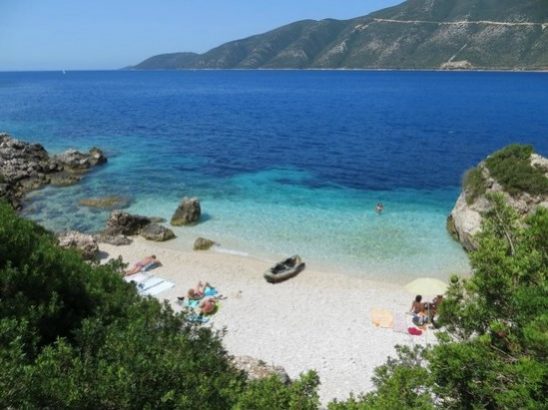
(417, 34)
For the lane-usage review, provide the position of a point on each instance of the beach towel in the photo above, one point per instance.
(414, 331)
(382, 318)
(210, 291)
(153, 286)
(149, 266)
(400, 323)
(196, 318)
(136, 278)
(191, 303)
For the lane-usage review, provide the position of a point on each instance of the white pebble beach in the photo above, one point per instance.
(316, 320)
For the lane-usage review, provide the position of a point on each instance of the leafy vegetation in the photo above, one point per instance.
(473, 184)
(74, 335)
(492, 352)
(511, 167)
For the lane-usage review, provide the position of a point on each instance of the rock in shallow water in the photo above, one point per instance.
(203, 244)
(158, 233)
(188, 212)
(122, 223)
(107, 202)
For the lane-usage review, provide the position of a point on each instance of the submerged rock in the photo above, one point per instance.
(122, 223)
(188, 212)
(64, 178)
(203, 244)
(158, 233)
(85, 244)
(107, 202)
(257, 369)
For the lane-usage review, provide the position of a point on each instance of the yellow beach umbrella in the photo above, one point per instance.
(427, 286)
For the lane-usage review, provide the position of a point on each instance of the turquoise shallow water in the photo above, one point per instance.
(270, 214)
(284, 162)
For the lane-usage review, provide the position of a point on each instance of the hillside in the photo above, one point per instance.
(417, 34)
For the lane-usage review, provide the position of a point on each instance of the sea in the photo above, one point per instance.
(284, 162)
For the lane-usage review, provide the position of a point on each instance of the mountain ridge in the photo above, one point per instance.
(416, 34)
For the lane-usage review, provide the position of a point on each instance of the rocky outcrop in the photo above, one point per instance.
(122, 223)
(85, 244)
(187, 213)
(158, 233)
(257, 369)
(25, 167)
(465, 219)
(203, 244)
(77, 161)
(107, 202)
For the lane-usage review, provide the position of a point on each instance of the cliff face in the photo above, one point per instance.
(417, 34)
(515, 184)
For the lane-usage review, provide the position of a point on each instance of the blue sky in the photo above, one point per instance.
(101, 34)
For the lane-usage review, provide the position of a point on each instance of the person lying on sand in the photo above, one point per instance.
(138, 267)
(207, 306)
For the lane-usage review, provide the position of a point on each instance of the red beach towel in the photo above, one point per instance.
(414, 331)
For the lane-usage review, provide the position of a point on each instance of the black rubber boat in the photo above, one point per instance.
(284, 270)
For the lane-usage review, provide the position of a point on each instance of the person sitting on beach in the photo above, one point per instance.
(417, 309)
(198, 292)
(138, 267)
(379, 208)
(208, 306)
(416, 306)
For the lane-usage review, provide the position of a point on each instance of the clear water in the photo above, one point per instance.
(284, 161)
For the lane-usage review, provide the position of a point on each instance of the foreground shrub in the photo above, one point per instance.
(473, 184)
(77, 336)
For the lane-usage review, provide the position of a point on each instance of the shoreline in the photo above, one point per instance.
(317, 320)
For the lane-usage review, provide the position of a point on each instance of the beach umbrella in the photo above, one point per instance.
(427, 286)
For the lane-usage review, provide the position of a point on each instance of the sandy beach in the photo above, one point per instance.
(317, 320)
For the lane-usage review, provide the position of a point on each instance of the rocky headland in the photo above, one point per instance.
(516, 172)
(25, 167)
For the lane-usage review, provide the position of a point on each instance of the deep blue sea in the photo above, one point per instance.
(284, 161)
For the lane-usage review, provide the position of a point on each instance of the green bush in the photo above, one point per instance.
(511, 167)
(77, 336)
(473, 184)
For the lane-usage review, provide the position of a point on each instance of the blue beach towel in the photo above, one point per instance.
(209, 291)
(149, 266)
(196, 318)
(192, 303)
